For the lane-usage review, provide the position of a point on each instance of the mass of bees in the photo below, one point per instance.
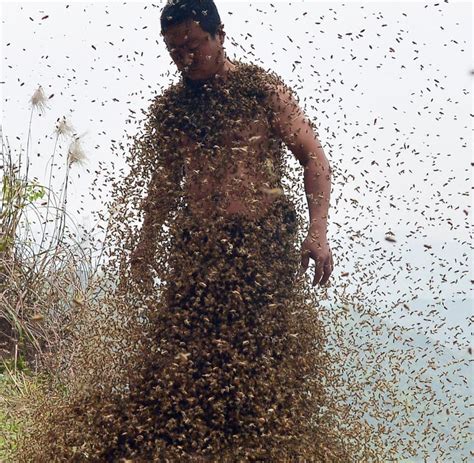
(219, 352)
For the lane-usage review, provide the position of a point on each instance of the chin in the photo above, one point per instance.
(200, 74)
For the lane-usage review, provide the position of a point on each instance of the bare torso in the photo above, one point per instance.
(247, 186)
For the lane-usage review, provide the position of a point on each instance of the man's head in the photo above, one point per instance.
(194, 35)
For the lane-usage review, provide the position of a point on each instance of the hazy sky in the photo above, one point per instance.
(388, 84)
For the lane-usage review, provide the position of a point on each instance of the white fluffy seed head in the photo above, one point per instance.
(64, 127)
(38, 100)
(76, 153)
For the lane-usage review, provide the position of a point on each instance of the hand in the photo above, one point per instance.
(317, 247)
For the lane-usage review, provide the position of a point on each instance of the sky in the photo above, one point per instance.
(388, 85)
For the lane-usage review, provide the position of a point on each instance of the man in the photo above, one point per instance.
(232, 365)
(197, 48)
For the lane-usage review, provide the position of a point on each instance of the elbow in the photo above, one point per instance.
(315, 160)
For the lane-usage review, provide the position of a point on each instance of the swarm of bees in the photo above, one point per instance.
(225, 357)
(229, 363)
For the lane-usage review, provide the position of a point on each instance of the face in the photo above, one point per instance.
(196, 54)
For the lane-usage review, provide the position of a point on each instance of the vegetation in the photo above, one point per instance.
(44, 271)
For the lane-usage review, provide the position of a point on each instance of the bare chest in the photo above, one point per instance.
(234, 175)
(238, 150)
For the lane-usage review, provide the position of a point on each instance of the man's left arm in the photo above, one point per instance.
(295, 130)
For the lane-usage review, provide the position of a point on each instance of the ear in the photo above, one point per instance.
(221, 33)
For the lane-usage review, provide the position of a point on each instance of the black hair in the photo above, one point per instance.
(203, 11)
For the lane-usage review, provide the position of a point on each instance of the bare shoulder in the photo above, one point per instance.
(279, 95)
(161, 104)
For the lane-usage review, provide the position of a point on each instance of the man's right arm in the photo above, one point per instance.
(157, 205)
(163, 194)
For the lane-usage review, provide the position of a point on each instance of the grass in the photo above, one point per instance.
(10, 399)
(9, 430)
(19, 386)
(43, 267)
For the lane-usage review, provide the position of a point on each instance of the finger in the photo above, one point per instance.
(327, 272)
(318, 272)
(305, 259)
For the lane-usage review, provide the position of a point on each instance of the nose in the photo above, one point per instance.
(186, 60)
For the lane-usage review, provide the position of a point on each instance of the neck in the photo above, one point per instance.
(220, 75)
(224, 69)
